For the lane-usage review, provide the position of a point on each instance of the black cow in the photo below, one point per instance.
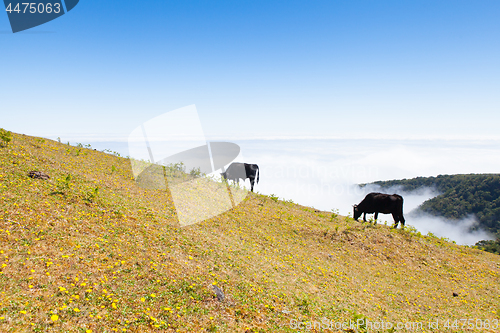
(237, 171)
(381, 203)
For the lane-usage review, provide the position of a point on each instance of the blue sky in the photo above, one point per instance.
(412, 73)
(349, 69)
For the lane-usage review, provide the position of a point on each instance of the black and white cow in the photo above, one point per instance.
(237, 171)
(381, 203)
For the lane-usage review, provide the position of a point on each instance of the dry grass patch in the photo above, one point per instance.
(88, 250)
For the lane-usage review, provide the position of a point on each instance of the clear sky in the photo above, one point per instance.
(351, 69)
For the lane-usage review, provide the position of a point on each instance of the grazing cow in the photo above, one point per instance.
(237, 171)
(381, 203)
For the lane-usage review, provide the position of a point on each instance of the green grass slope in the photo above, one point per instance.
(90, 251)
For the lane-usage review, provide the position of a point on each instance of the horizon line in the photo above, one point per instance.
(125, 139)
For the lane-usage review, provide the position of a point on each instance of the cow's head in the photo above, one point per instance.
(356, 213)
(224, 175)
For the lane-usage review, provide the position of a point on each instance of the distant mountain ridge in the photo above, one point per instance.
(460, 196)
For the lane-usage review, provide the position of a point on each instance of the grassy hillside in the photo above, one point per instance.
(461, 195)
(90, 251)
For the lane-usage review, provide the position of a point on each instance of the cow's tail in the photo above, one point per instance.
(258, 173)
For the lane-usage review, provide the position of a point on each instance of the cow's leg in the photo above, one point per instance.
(252, 182)
(402, 219)
(376, 217)
(364, 217)
(396, 220)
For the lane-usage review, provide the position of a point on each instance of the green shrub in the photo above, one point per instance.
(6, 137)
(275, 198)
(335, 214)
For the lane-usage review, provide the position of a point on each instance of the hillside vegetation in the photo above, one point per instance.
(89, 251)
(460, 196)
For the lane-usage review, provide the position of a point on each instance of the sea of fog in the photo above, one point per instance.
(323, 173)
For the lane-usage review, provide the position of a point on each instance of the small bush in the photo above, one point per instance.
(92, 194)
(196, 173)
(335, 214)
(6, 137)
(273, 197)
(431, 235)
(412, 230)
